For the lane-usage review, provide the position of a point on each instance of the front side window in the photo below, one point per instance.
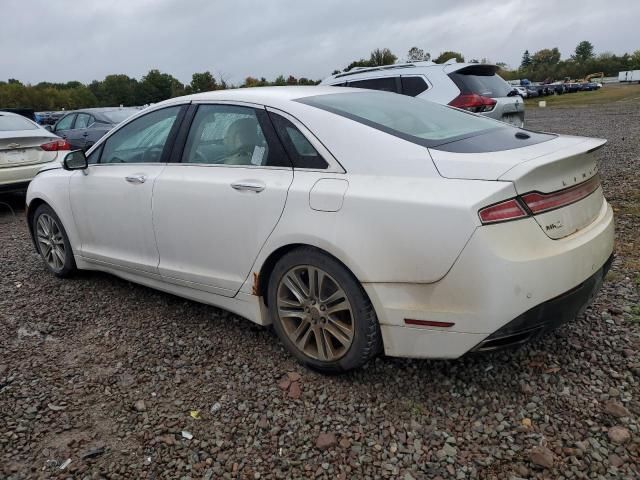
(141, 141)
(386, 84)
(65, 123)
(301, 152)
(230, 135)
(82, 120)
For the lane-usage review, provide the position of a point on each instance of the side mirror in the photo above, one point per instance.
(48, 127)
(75, 160)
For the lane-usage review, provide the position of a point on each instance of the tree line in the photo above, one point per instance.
(120, 89)
(114, 90)
(547, 64)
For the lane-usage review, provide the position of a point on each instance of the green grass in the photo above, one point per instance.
(608, 93)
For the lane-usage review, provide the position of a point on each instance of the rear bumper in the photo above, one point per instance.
(506, 271)
(18, 177)
(547, 316)
(13, 187)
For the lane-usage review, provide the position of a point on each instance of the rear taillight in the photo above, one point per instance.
(543, 202)
(534, 203)
(473, 103)
(56, 145)
(502, 212)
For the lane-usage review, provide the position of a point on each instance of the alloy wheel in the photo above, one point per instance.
(315, 313)
(51, 242)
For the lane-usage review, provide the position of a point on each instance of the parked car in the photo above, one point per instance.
(25, 147)
(522, 91)
(25, 112)
(353, 220)
(470, 86)
(82, 128)
(532, 92)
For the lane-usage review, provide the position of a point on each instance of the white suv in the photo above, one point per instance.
(471, 86)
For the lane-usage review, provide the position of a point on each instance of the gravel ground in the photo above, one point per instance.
(101, 378)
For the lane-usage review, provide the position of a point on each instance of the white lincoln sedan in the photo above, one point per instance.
(354, 221)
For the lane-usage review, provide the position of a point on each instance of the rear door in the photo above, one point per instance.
(483, 80)
(215, 207)
(77, 136)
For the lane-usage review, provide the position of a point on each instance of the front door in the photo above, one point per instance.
(214, 210)
(111, 200)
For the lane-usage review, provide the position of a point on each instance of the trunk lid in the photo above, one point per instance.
(23, 148)
(558, 166)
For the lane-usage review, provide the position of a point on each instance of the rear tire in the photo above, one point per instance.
(321, 313)
(52, 242)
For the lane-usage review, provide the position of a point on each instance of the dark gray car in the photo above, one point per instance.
(83, 128)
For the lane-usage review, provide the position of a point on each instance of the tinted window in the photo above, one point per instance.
(482, 80)
(413, 86)
(141, 141)
(425, 122)
(10, 122)
(387, 84)
(300, 150)
(65, 122)
(230, 135)
(82, 120)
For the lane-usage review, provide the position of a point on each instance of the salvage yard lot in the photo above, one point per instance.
(611, 92)
(107, 374)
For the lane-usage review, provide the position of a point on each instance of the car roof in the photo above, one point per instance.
(411, 68)
(276, 97)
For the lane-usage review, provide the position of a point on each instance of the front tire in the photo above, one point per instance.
(52, 242)
(321, 313)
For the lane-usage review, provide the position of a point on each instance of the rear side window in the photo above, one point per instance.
(10, 122)
(232, 135)
(82, 120)
(65, 123)
(299, 149)
(481, 80)
(413, 86)
(386, 84)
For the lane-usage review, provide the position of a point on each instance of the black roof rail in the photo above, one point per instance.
(356, 70)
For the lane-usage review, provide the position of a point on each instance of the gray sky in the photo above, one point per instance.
(61, 40)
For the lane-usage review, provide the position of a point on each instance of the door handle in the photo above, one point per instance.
(85, 134)
(255, 187)
(136, 178)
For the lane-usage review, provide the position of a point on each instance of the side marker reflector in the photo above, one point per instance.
(428, 323)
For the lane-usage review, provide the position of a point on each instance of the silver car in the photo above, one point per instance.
(474, 87)
(25, 148)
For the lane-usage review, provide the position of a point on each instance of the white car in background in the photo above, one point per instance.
(354, 221)
(25, 147)
(475, 87)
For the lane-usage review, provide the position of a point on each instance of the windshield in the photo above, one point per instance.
(416, 120)
(117, 116)
(15, 122)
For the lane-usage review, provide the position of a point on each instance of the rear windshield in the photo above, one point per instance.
(14, 122)
(481, 80)
(117, 116)
(415, 120)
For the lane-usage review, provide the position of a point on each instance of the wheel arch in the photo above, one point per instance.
(31, 210)
(261, 281)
